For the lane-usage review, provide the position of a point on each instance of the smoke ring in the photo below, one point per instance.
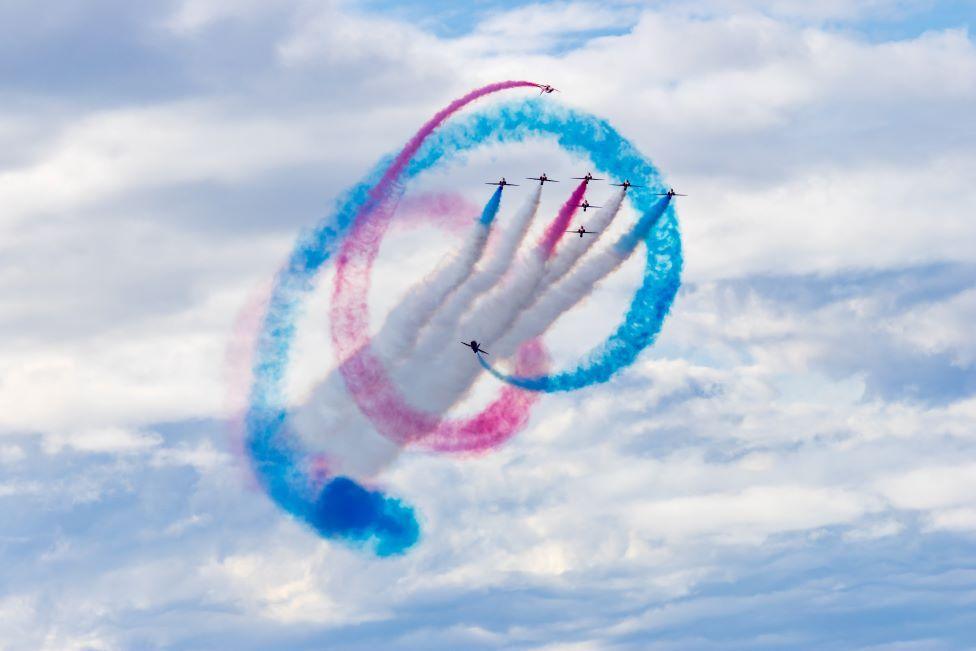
(278, 458)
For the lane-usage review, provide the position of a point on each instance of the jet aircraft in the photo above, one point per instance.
(502, 183)
(582, 231)
(475, 346)
(542, 178)
(626, 185)
(588, 177)
(671, 193)
(546, 88)
(586, 204)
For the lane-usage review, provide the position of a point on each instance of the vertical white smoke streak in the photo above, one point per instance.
(334, 425)
(503, 337)
(446, 377)
(442, 325)
(330, 423)
(438, 374)
(572, 248)
(399, 332)
(560, 297)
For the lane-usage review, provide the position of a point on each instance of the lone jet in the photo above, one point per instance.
(582, 231)
(671, 193)
(542, 178)
(588, 177)
(502, 183)
(586, 204)
(626, 185)
(473, 345)
(546, 88)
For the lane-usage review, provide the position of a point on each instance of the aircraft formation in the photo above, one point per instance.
(585, 205)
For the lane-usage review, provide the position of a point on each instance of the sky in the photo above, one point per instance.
(792, 465)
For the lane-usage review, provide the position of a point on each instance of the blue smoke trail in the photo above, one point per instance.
(345, 510)
(491, 208)
(644, 317)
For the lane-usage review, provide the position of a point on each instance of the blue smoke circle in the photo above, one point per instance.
(342, 509)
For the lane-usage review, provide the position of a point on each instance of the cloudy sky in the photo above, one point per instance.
(792, 465)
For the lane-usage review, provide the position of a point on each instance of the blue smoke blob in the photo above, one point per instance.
(347, 511)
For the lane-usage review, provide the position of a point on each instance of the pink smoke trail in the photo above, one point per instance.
(557, 228)
(447, 211)
(500, 420)
(370, 225)
(381, 190)
(238, 359)
(379, 399)
(363, 372)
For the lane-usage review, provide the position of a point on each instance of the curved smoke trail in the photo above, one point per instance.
(342, 508)
(390, 525)
(432, 340)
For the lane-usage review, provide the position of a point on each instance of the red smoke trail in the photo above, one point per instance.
(368, 380)
(364, 373)
(557, 228)
(380, 191)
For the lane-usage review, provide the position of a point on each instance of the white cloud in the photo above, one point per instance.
(16, 488)
(932, 487)
(11, 454)
(963, 519)
(754, 513)
(945, 326)
(129, 149)
(114, 440)
(801, 9)
(192, 16)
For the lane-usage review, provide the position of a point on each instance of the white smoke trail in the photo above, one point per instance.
(502, 333)
(400, 330)
(329, 423)
(501, 304)
(559, 298)
(442, 325)
(572, 248)
(350, 439)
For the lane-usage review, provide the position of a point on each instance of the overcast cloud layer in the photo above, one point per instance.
(792, 465)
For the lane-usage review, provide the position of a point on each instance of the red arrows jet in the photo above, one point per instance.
(542, 178)
(582, 231)
(626, 185)
(671, 193)
(502, 183)
(588, 177)
(586, 204)
(473, 345)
